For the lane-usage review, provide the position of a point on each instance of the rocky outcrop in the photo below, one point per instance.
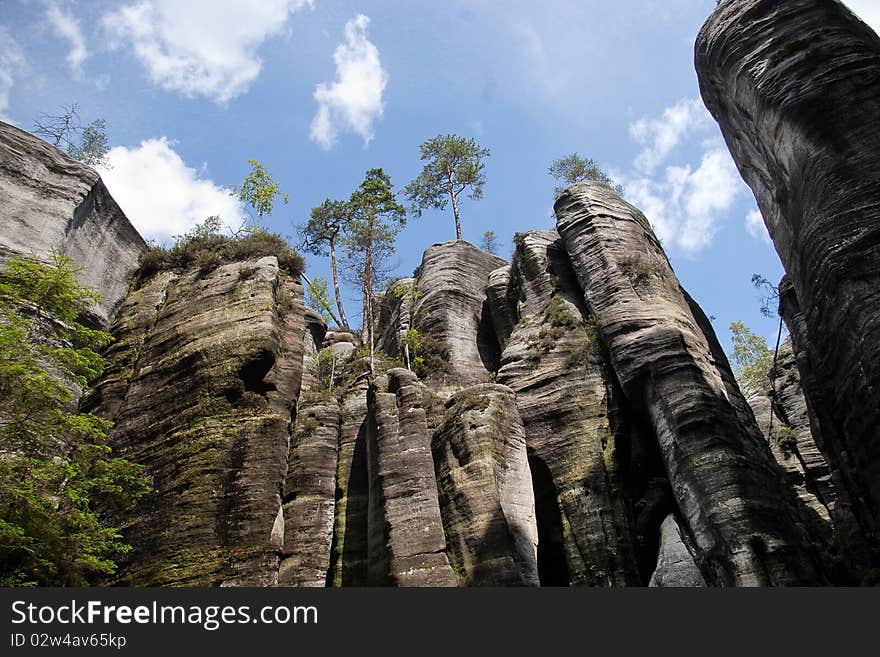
(566, 396)
(452, 309)
(485, 489)
(675, 563)
(205, 373)
(724, 480)
(49, 201)
(406, 544)
(793, 86)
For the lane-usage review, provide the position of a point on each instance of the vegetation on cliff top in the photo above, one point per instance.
(59, 483)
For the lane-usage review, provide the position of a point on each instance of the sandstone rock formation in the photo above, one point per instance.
(453, 309)
(50, 201)
(793, 86)
(485, 489)
(200, 390)
(724, 480)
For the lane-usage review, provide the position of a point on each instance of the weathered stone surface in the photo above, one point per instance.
(794, 87)
(453, 308)
(485, 489)
(349, 555)
(201, 395)
(554, 362)
(501, 306)
(310, 492)
(675, 564)
(853, 525)
(726, 484)
(406, 544)
(50, 201)
(394, 318)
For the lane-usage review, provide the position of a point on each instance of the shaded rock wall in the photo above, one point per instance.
(794, 87)
(50, 201)
(726, 484)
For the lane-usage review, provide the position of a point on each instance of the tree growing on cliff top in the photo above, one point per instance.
(376, 219)
(752, 360)
(59, 482)
(573, 168)
(259, 191)
(453, 165)
(320, 236)
(490, 242)
(87, 144)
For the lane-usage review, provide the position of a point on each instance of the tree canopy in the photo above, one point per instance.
(60, 485)
(259, 191)
(321, 234)
(752, 360)
(87, 144)
(573, 168)
(453, 165)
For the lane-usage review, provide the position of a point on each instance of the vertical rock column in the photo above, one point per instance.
(724, 479)
(485, 489)
(406, 544)
(795, 88)
(554, 362)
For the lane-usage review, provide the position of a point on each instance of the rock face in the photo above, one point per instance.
(406, 545)
(793, 86)
(453, 308)
(50, 201)
(723, 477)
(566, 397)
(204, 376)
(675, 564)
(485, 489)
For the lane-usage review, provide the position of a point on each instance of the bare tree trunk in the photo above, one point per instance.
(454, 207)
(336, 283)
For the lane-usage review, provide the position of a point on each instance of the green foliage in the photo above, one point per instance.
(585, 350)
(453, 164)
(92, 148)
(558, 314)
(317, 297)
(432, 358)
(490, 242)
(59, 483)
(86, 144)
(205, 248)
(326, 222)
(259, 191)
(787, 440)
(573, 168)
(638, 268)
(751, 358)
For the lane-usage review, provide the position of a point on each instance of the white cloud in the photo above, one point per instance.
(660, 136)
(11, 62)
(756, 227)
(354, 100)
(867, 10)
(66, 26)
(690, 197)
(160, 194)
(201, 47)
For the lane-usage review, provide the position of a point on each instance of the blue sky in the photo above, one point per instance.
(321, 91)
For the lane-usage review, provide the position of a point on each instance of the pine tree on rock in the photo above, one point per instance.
(453, 165)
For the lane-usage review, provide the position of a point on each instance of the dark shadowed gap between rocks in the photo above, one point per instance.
(552, 564)
(487, 340)
(354, 551)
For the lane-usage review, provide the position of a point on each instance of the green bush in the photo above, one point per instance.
(205, 249)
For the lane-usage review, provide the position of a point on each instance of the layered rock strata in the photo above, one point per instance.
(725, 482)
(205, 373)
(50, 202)
(794, 88)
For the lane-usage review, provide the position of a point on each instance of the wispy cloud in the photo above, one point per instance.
(686, 198)
(200, 47)
(354, 100)
(160, 194)
(66, 26)
(11, 63)
(660, 136)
